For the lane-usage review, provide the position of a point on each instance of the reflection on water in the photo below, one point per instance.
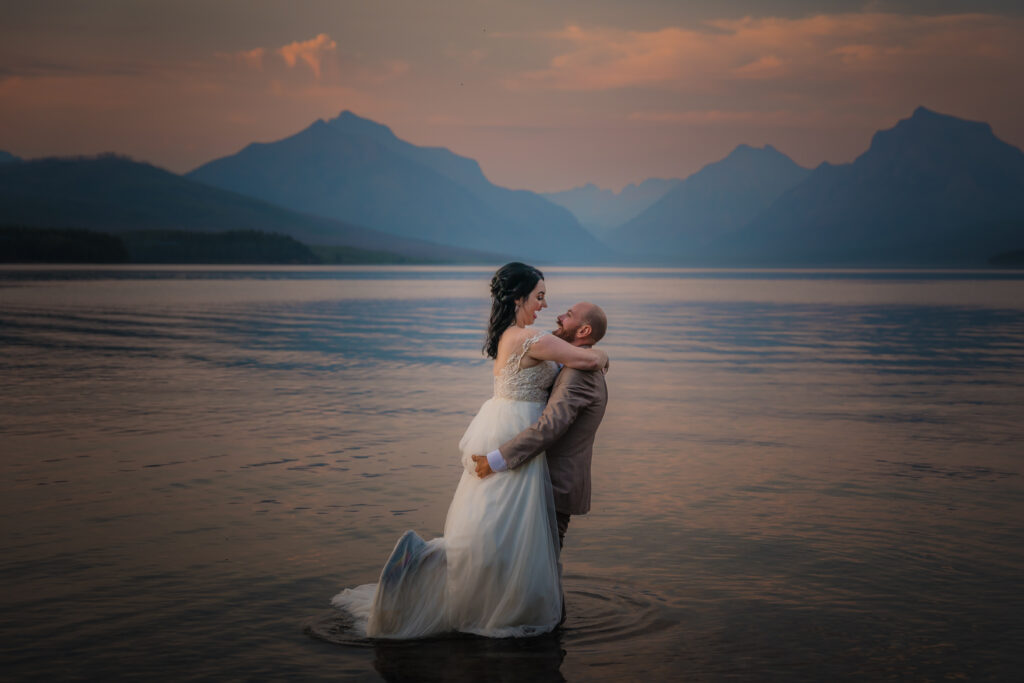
(455, 657)
(472, 659)
(608, 617)
(802, 475)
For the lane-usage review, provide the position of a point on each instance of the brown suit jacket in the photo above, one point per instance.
(566, 431)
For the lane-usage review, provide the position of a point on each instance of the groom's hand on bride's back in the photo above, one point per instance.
(483, 468)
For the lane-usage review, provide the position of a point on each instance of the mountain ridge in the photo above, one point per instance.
(718, 199)
(601, 210)
(116, 194)
(354, 169)
(932, 190)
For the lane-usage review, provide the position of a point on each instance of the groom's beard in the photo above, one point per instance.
(563, 334)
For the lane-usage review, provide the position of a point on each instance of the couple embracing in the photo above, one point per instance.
(495, 571)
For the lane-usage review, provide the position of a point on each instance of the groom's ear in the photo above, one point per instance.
(583, 331)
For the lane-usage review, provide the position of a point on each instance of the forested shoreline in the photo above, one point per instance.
(22, 244)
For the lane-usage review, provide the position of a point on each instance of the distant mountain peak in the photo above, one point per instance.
(719, 198)
(929, 130)
(356, 170)
(922, 114)
(353, 123)
(932, 189)
(7, 157)
(930, 121)
(744, 150)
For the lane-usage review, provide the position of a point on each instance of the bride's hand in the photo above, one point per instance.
(605, 362)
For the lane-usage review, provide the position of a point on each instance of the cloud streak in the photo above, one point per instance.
(253, 58)
(719, 55)
(311, 52)
(321, 57)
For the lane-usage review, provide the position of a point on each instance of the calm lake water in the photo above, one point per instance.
(801, 475)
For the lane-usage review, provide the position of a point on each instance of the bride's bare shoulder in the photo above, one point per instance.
(513, 339)
(515, 336)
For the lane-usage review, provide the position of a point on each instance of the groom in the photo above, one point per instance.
(566, 429)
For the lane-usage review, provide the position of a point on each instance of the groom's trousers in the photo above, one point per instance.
(562, 518)
(563, 525)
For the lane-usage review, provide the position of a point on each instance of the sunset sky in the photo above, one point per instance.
(545, 94)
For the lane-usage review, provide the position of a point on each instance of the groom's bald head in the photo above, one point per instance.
(593, 315)
(583, 324)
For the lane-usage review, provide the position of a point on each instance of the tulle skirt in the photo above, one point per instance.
(495, 571)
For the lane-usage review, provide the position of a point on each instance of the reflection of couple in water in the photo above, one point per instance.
(495, 572)
(537, 660)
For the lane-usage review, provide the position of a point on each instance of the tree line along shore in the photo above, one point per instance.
(22, 244)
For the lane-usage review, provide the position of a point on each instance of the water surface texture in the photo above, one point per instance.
(801, 475)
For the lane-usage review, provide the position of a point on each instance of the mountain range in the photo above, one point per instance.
(601, 211)
(934, 190)
(356, 170)
(115, 194)
(720, 198)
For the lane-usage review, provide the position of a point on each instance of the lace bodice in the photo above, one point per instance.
(525, 384)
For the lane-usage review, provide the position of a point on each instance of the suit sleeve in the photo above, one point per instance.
(565, 403)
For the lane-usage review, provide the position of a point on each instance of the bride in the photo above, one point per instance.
(495, 571)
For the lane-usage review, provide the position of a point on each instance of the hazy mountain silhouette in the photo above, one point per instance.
(933, 190)
(115, 194)
(601, 211)
(718, 199)
(354, 169)
(1009, 259)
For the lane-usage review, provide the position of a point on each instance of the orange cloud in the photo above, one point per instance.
(813, 49)
(310, 51)
(253, 58)
(604, 59)
(316, 54)
(765, 67)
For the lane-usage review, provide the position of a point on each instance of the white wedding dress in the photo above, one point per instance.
(495, 571)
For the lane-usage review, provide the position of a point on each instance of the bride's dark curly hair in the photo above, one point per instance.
(512, 281)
